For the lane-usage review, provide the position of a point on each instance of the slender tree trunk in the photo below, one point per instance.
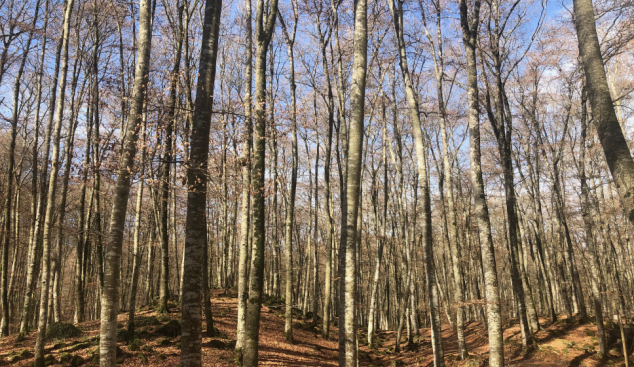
(164, 292)
(6, 231)
(595, 265)
(112, 261)
(450, 214)
(265, 25)
(52, 187)
(421, 158)
(245, 209)
(380, 228)
(35, 238)
(290, 208)
(354, 164)
(136, 252)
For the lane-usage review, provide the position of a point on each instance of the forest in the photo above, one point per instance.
(316, 182)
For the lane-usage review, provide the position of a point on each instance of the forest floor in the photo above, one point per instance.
(561, 344)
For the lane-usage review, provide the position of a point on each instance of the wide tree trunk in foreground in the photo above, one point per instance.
(617, 153)
(112, 253)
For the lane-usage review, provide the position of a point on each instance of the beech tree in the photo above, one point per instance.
(458, 192)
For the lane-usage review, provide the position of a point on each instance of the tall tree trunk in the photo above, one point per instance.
(354, 168)
(290, 208)
(617, 153)
(595, 265)
(265, 25)
(452, 227)
(35, 237)
(421, 158)
(50, 197)
(501, 122)
(112, 261)
(196, 221)
(245, 209)
(6, 231)
(164, 292)
(136, 251)
(380, 228)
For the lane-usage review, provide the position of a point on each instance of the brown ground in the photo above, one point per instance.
(561, 344)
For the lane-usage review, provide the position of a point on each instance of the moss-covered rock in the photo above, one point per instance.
(146, 321)
(65, 357)
(13, 359)
(172, 329)
(61, 330)
(49, 360)
(135, 345)
(76, 361)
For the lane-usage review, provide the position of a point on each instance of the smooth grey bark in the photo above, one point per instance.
(553, 165)
(35, 237)
(265, 26)
(136, 251)
(353, 180)
(290, 208)
(52, 188)
(530, 303)
(380, 229)
(83, 234)
(421, 160)
(197, 176)
(112, 254)
(501, 122)
(615, 148)
(168, 153)
(6, 230)
(469, 26)
(593, 249)
(325, 332)
(245, 161)
(61, 211)
(456, 267)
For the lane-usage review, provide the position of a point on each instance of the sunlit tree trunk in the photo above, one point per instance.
(290, 207)
(265, 25)
(50, 197)
(421, 160)
(245, 209)
(6, 231)
(197, 172)
(136, 250)
(615, 148)
(112, 259)
(166, 165)
(35, 237)
(354, 164)
(595, 265)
